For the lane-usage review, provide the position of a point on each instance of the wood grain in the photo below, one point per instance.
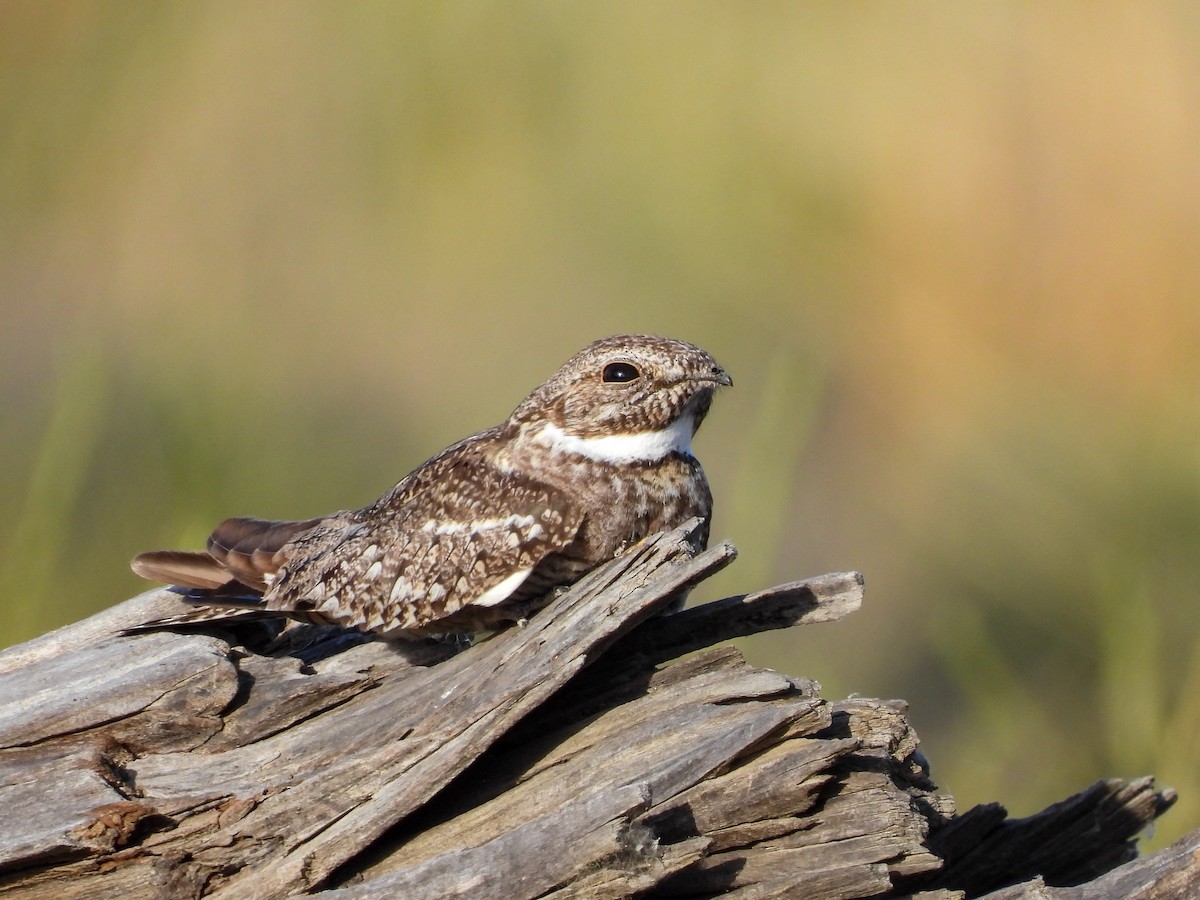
(562, 759)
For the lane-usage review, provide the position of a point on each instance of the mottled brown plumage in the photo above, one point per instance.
(593, 460)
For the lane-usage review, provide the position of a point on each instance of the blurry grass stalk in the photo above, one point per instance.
(38, 543)
(995, 697)
(1150, 727)
(760, 504)
(1130, 669)
(1180, 746)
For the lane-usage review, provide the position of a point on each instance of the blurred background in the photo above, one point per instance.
(266, 258)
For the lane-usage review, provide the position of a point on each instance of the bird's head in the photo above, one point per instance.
(624, 398)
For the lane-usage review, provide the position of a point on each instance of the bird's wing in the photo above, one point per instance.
(242, 554)
(252, 549)
(453, 537)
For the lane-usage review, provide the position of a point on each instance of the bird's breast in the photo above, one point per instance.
(624, 503)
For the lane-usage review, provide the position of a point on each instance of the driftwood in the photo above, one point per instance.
(562, 759)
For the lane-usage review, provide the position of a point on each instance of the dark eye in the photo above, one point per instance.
(621, 372)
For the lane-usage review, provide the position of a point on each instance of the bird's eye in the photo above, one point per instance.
(621, 372)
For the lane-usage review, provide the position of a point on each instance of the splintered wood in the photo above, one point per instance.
(569, 758)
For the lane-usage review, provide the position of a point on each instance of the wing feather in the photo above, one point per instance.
(462, 537)
(444, 550)
(251, 548)
(182, 567)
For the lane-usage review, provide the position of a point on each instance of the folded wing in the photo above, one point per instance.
(243, 556)
(431, 568)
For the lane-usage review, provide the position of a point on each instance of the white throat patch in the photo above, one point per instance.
(639, 446)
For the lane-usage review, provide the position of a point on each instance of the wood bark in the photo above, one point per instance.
(578, 756)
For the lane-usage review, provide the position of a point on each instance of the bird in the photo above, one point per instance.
(593, 460)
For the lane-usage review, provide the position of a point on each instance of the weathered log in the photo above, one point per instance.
(1172, 872)
(560, 759)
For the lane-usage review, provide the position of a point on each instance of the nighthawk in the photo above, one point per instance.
(593, 460)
